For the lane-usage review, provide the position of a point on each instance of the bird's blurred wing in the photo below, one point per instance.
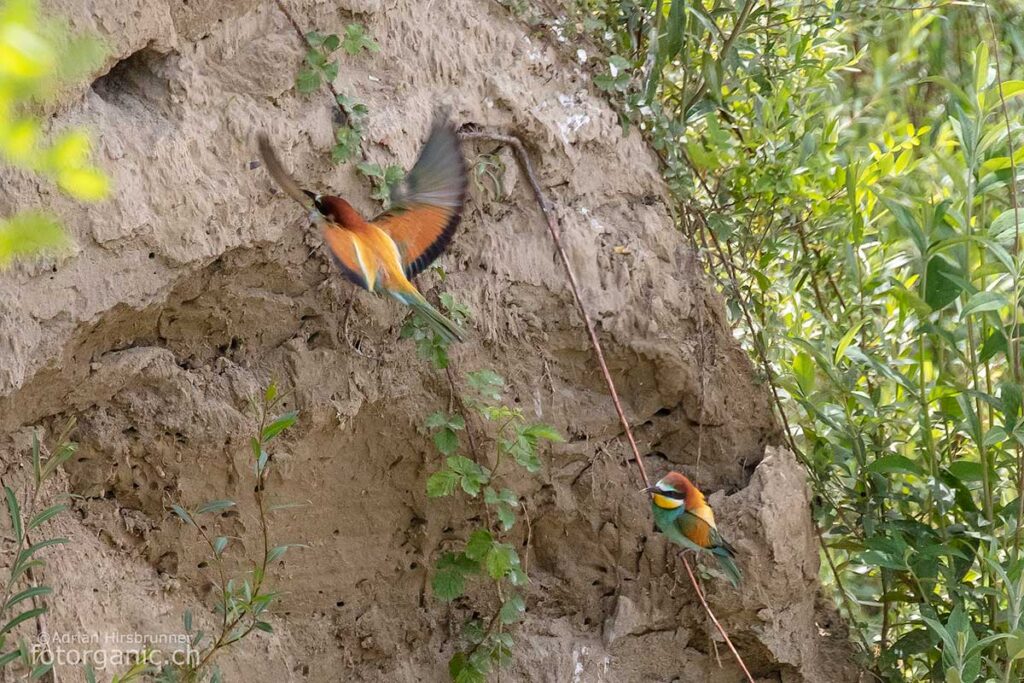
(346, 254)
(281, 176)
(428, 205)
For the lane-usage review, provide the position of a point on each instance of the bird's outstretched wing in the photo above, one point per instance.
(428, 205)
(344, 252)
(281, 176)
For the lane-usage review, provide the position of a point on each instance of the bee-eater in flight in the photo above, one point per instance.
(683, 515)
(384, 254)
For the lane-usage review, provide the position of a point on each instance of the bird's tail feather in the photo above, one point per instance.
(732, 572)
(440, 324)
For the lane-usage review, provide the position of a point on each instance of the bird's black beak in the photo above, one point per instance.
(649, 489)
(316, 205)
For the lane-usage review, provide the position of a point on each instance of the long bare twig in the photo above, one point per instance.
(552, 224)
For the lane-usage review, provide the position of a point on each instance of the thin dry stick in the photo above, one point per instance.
(552, 223)
(524, 162)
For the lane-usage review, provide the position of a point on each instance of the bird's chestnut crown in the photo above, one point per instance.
(335, 209)
(671, 491)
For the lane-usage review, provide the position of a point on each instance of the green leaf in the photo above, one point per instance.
(1011, 89)
(1011, 397)
(1015, 645)
(487, 383)
(37, 467)
(543, 431)
(27, 594)
(308, 80)
(274, 554)
(966, 470)
(512, 609)
(994, 344)
(803, 371)
(982, 302)
(219, 544)
(672, 45)
(466, 467)
(279, 425)
(86, 183)
(442, 483)
(46, 515)
(181, 512)
(356, 40)
(40, 671)
(479, 544)
(331, 43)
(14, 513)
(28, 552)
(506, 515)
(11, 656)
(314, 38)
(981, 74)
(888, 464)
(348, 141)
(330, 71)
(845, 342)
(214, 506)
(942, 283)
(446, 441)
(1005, 227)
(448, 584)
(264, 626)
(461, 670)
(499, 560)
(437, 419)
(24, 616)
(63, 454)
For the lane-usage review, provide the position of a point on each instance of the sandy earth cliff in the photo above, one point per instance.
(197, 283)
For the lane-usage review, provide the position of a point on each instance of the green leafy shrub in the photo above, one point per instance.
(22, 598)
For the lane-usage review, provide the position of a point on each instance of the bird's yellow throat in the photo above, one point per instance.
(665, 502)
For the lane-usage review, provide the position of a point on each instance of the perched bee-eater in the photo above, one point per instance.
(386, 253)
(683, 515)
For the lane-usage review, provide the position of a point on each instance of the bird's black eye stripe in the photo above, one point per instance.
(675, 495)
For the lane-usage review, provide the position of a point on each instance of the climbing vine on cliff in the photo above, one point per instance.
(486, 553)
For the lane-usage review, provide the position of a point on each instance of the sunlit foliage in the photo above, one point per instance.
(38, 57)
